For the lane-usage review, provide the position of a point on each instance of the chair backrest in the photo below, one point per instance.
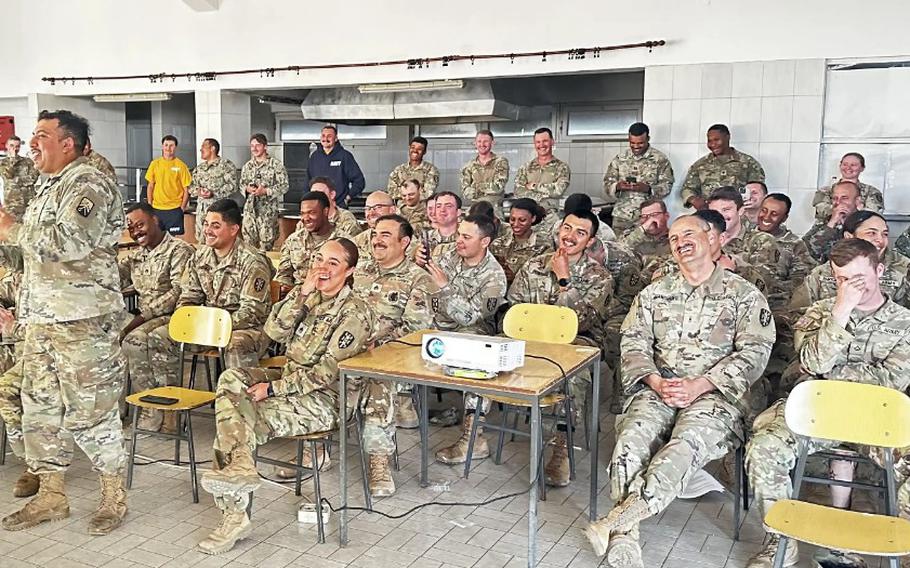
(858, 413)
(541, 322)
(201, 325)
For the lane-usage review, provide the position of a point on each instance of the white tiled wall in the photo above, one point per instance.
(225, 116)
(176, 117)
(773, 109)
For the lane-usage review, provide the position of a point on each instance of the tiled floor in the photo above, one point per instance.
(163, 525)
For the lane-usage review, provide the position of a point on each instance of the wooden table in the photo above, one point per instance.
(538, 377)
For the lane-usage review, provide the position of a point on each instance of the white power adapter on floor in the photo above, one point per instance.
(306, 514)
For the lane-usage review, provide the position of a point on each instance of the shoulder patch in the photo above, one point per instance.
(764, 317)
(85, 207)
(259, 284)
(346, 339)
(492, 303)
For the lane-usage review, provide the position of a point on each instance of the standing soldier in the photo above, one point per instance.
(213, 179)
(415, 168)
(73, 369)
(11, 380)
(545, 178)
(642, 172)
(19, 176)
(98, 161)
(724, 165)
(265, 181)
(851, 165)
(484, 178)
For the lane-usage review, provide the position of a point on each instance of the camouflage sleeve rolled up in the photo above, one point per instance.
(165, 303)
(255, 296)
(821, 342)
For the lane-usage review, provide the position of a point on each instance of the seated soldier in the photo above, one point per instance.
(486, 209)
(322, 322)
(845, 199)
(313, 229)
(345, 223)
(795, 258)
(440, 239)
(570, 278)
(413, 208)
(378, 204)
(472, 286)
(551, 223)
(520, 241)
(154, 270)
(858, 335)
(649, 238)
(692, 344)
(225, 273)
(431, 211)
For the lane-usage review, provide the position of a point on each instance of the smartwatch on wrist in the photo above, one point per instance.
(563, 282)
(271, 391)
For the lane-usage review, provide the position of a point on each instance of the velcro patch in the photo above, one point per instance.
(764, 317)
(259, 284)
(492, 303)
(346, 339)
(85, 207)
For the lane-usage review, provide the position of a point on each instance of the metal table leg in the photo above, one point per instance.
(594, 428)
(424, 420)
(343, 442)
(535, 471)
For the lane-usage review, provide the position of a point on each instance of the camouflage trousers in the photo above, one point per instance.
(138, 350)
(260, 228)
(72, 377)
(11, 399)
(241, 423)
(244, 350)
(658, 447)
(773, 451)
(377, 402)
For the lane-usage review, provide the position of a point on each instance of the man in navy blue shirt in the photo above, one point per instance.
(337, 164)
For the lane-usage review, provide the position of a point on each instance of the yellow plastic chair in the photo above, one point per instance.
(854, 413)
(275, 257)
(205, 326)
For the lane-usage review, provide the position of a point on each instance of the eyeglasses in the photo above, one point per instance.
(369, 208)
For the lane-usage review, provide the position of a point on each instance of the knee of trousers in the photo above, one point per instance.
(231, 382)
(378, 440)
(768, 455)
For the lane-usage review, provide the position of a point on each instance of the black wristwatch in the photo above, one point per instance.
(563, 282)
(271, 391)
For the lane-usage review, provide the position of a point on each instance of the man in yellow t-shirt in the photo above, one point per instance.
(168, 179)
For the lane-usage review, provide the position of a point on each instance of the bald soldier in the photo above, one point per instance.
(692, 345)
(724, 165)
(378, 204)
(846, 199)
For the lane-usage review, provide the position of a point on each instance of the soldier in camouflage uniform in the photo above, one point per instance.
(649, 238)
(822, 236)
(635, 175)
(472, 286)
(484, 178)
(520, 241)
(346, 225)
(399, 294)
(545, 178)
(860, 335)
(312, 231)
(378, 204)
(692, 345)
(440, 240)
(570, 278)
(264, 181)
(70, 303)
(98, 161)
(214, 178)
(851, 166)
(226, 273)
(412, 207)
(796, 260)
(724, 166)
(322, 322)
(20, 175)
(415, 168)
(154, 271)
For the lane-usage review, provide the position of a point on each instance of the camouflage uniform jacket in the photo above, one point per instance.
(346, 225)
(873, 348)
(269, 173)
(218, 176)
(468, 302)
(588, 294)
(796, 263)
(481, 182)
(10, 286)
(364, 242)
(820, 239)
(440, 246)
(653, 168)
(156, 275)
(722, 330)
(760, 250)
(20, 175)
(102, 164)
(238, 283)
(902, 245)
(416, 215)
(871, 196)
(426, 173)
(552, 181)
(296, 255)
(657, 268)
(68, 237)
(400, 298)
(710, 172)
(513, 253)
(319, 333)
(625, 268)
(646, 246)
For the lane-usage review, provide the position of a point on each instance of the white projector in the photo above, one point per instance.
(478, 352)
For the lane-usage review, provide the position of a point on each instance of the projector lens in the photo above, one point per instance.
(435, 348)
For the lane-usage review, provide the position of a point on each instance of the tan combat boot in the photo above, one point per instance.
(169, 422)
(765, 556)
(49, 505)
(458, 452)
(112, 509)
(626, 514)
(625, 548)
(406, 415)
(557, 469)
(234, 526)
(381, 482)
(240, 475)
(322, 458)
(26, 485)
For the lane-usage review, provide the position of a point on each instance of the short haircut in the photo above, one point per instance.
(484, 208)
(404, 226)
(323, 180)
(544, 129)
(782, 198)
(322, 198)
(712, 218)
(485, 132)
(653, 201)
(577, 202)
(15, 138)
(847, 183)
(857, 155)
(531, 206)
(763, 185)
(72, 125)
(414, 181)
(587, 215)
(420, 140)
(351, 252)
(857, 218)
(727, 193)
(331, 127)
(259, 137)
(846, 250)
(228, 209)
(432, 197)
(141, 206)
(169, 138)
(484, 225)
(722, 128)
(214, 144)
(450, 194)
(638, 129)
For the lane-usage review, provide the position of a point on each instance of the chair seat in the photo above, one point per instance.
(187, 399)
(277, 362)
(545, 401)
(827, 527)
